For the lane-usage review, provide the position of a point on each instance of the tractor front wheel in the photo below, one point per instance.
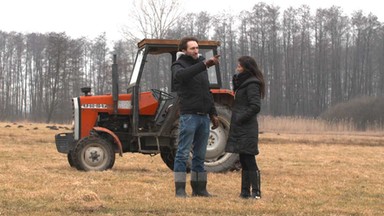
(93, 154)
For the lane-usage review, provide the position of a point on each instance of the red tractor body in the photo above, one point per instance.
(145, 119)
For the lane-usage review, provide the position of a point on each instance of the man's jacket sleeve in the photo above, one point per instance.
(213, 110)
(186, 73)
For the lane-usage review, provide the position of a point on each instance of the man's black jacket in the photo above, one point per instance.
(190, 79)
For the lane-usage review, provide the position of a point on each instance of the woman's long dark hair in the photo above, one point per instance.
(249, 64)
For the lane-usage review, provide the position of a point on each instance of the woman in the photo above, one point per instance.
(249, 87)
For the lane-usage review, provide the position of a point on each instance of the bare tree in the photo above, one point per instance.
(320, 77)
(99, 66)
(36, 46)
(290, 33)
(154, 18)
(379, 62)
(244, 19)
(335, 27)
(124, 51)
(55, 72)
(224, 32)
(182, 27)
(273, 62)
(364, 31)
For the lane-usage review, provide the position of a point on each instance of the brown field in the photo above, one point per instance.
(307, 169)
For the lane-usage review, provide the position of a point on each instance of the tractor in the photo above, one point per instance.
(145, 118)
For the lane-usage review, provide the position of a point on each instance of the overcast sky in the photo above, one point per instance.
(92, 17)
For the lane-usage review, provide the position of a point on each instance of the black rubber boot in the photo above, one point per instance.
(180, 182)
(255, 181)
(199, 184)
(245, 185)
(195, 187)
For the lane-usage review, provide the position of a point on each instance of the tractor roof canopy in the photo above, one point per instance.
(158, 46)
(151, 50)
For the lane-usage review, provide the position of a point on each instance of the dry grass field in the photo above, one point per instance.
(306, 170)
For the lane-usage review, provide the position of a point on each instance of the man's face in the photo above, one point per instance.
(192, 49)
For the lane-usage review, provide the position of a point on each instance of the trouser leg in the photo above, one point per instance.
(245, 185)
(200, 142)
(198, 173)
(255, 181)
(249, 163)
(245, 181)
(186, 133)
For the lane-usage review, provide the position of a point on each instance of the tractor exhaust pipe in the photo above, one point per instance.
(115, 85)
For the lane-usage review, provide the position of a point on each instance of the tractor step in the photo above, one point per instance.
(148, 136)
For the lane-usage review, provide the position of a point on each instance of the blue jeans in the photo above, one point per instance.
(193, 133)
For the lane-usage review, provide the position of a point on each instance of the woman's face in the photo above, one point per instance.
(239, 68)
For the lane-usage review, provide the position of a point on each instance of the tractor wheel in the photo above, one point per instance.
(216, 159)
(168, 153)
(168, 156)
(71, 159)
(94, 154)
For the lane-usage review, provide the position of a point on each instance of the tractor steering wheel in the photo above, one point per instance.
(161, 94)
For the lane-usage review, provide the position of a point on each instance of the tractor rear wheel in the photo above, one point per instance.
(216, 159)
(93, 154)
(70, 159)
(168, 156)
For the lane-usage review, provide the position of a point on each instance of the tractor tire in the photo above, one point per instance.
(93, 154)
(71, 159)
(216, 159)
(168, 156)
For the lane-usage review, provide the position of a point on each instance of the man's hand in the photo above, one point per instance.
(215, 122)
(212, 61)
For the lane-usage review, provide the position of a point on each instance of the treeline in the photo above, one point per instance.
(310, 61)
(41, 73)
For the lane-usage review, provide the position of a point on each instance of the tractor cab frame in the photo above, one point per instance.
(145, 118)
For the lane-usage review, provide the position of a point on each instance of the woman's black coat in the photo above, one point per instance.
(244, 130)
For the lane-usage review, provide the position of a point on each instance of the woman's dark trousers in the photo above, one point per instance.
(250, 177)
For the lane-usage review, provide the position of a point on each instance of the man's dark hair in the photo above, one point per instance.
(184, 41)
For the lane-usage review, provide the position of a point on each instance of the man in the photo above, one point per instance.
(190, 79)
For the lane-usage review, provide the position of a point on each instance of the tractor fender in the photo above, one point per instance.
(223, 96)
(116, 139)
